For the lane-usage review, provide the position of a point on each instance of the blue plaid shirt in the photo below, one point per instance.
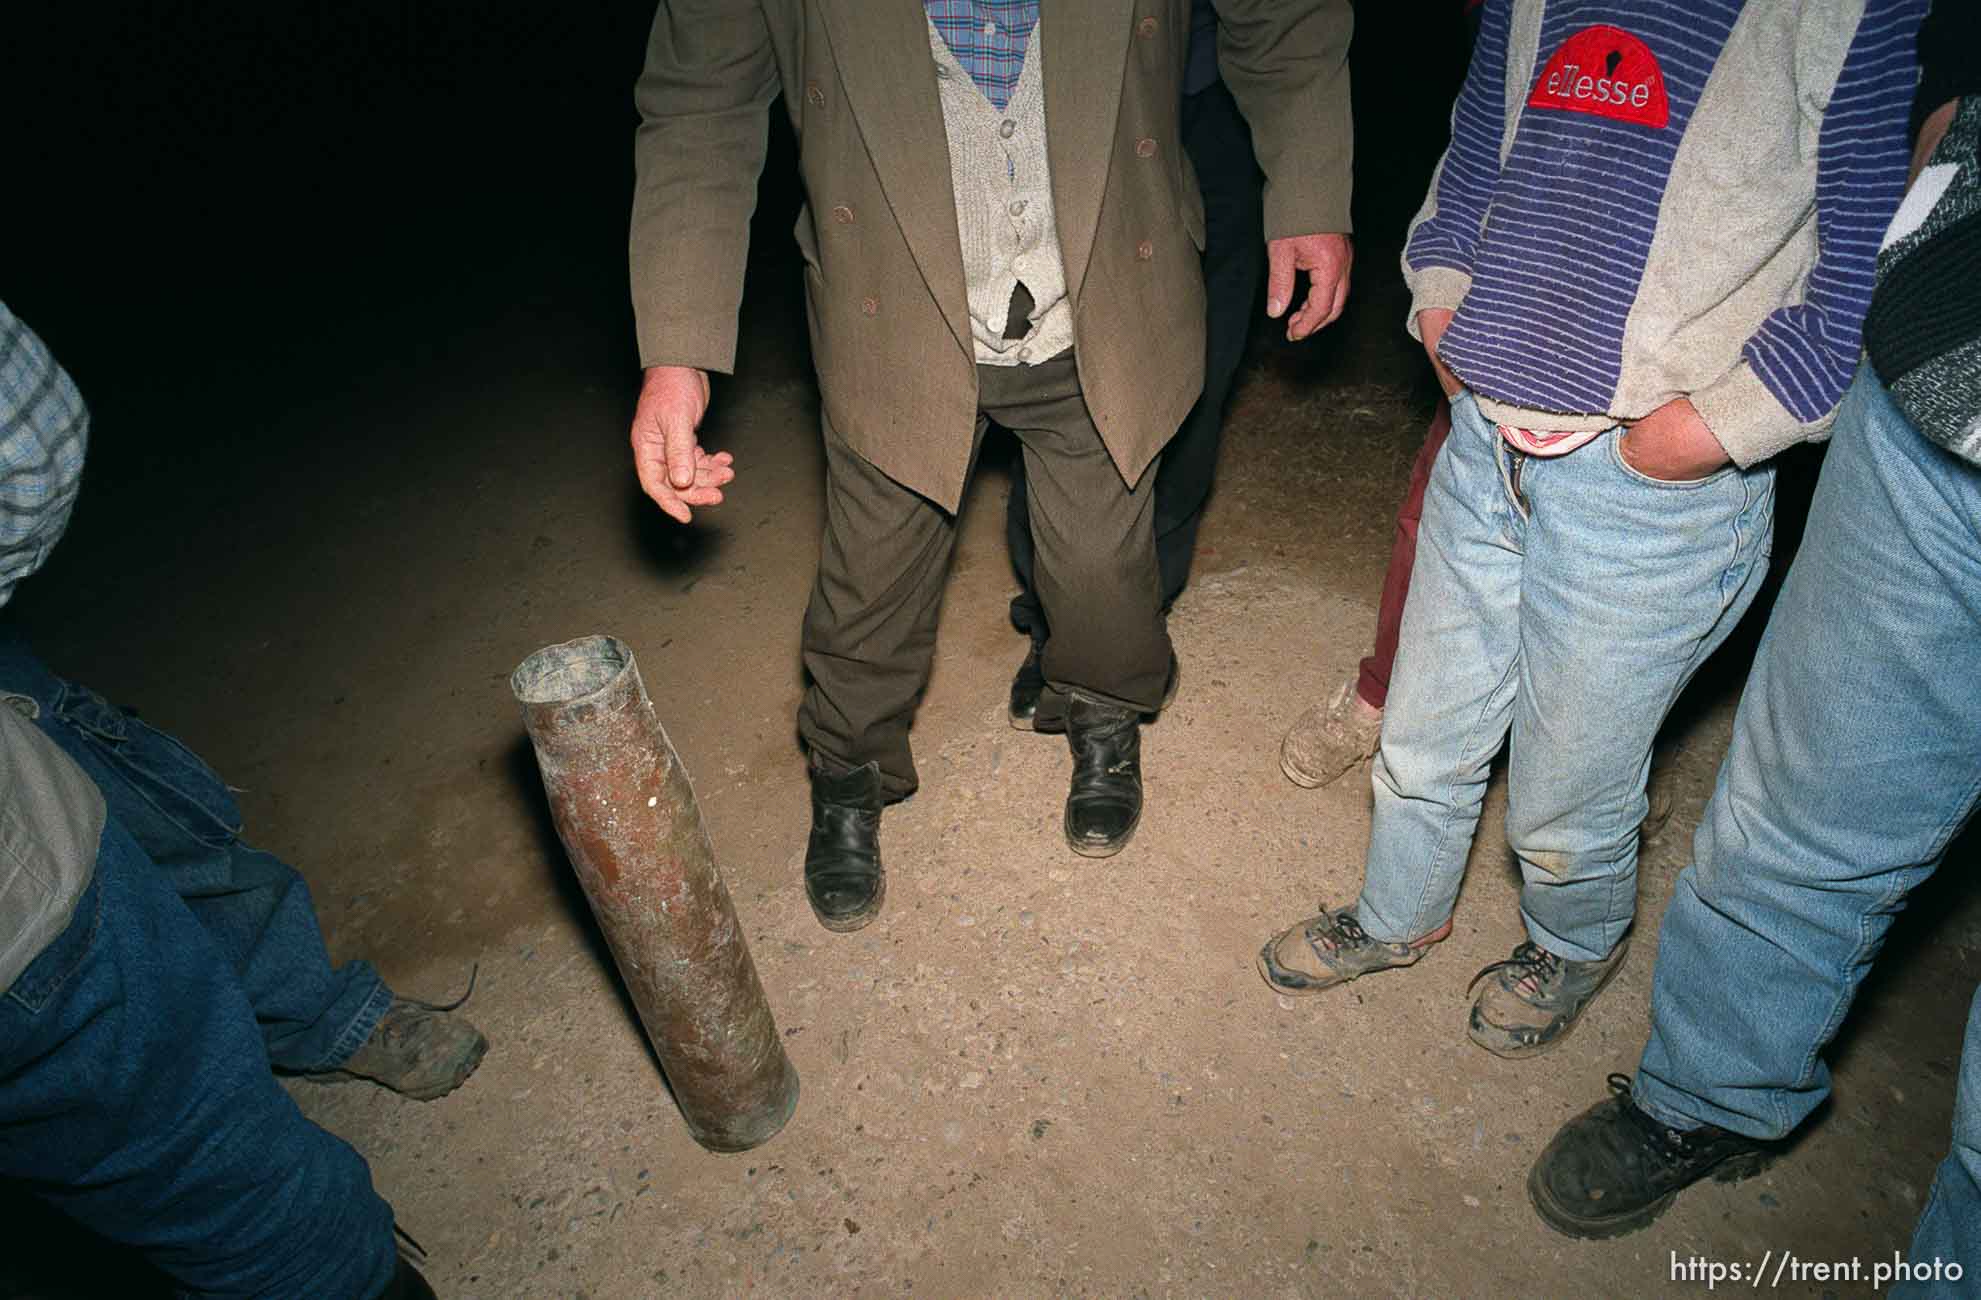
(988, 37)
(44, 430)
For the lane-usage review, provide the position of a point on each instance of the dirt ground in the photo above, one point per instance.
(322, 527)
(1035, 1074)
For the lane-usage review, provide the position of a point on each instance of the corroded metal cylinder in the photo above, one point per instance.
(634, 833)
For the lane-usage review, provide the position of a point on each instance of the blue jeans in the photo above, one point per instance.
(136, 1098)
(1856, 758)
(254, 906)
(1558, 605)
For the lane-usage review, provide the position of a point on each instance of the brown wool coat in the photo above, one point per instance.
(884, 280)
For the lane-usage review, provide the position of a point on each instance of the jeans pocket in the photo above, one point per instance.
(63, 957)
(1615, 440)
(171, 781)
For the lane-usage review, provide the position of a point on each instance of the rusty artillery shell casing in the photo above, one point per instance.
(629, 821)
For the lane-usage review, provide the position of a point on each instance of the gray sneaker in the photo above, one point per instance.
(418, 1051)
(1330, 738)
(1532, 999)
(1332, 949)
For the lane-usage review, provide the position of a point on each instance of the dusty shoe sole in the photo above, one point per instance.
(1733, 1169)
(852, 921)
(1106, 848)
(470, 1063)
(1292, 981)
(1304, 779)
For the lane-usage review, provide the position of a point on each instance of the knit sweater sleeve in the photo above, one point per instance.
(1795, 367)
(1437, 257)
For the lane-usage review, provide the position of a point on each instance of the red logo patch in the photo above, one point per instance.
(1605, 71)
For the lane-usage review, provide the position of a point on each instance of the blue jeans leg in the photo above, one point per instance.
(1565, 601)
(1856, 757)
(1630, 585)
(1451, 692)
(255, 907)
(135, 1097)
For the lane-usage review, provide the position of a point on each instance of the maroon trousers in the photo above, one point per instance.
(1373, 685)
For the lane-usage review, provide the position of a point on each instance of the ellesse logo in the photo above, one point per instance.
(1605, 71)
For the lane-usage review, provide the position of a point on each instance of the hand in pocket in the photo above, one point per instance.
(1672, 444)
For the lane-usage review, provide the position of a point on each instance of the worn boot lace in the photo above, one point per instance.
(1669, 1144)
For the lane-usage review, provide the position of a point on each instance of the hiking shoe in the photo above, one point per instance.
(1332, 949)
(1612, 1169)
(1531, 999)
(1330, 738)
(417, 1050)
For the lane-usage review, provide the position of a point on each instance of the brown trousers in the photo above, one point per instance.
(869, 633)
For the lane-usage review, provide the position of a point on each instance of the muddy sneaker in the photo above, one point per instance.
(1330, 738)
(1532, 998)
(1332, 949)
(417, 1050)
(1612, 1169)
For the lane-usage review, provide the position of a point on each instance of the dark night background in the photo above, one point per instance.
(219, 212)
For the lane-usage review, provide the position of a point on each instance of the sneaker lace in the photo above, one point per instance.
(457, 1003)
(1527, 969)
(1340, 926)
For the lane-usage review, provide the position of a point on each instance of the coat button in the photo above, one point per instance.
(1144, 251)
(1145, 148)
(1007, 128)
(870, 306)
(843, 215)
(1147, 27)
(813, 95)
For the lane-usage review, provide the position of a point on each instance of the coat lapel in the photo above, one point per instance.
(1086, 46)
(881, 48)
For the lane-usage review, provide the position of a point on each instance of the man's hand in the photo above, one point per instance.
(1325, 259)
(1672, 444)
(1431, 324)
(673, 468)
(1931, 131)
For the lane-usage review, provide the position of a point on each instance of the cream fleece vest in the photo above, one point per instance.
(1004, 219)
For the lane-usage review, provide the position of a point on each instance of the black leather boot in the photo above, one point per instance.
(1027, 685)
(1105, 803)
(843, 876)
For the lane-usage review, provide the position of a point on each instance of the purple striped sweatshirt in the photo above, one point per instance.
(1648, 199)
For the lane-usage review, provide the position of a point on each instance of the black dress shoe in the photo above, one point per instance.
(843, 876)
(1026, 686)
(1613, 1168)
(1105, 803)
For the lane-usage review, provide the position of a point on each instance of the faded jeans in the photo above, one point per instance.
(135, 1097)
(1559, 605)
(1856, 758)
(254, 907)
